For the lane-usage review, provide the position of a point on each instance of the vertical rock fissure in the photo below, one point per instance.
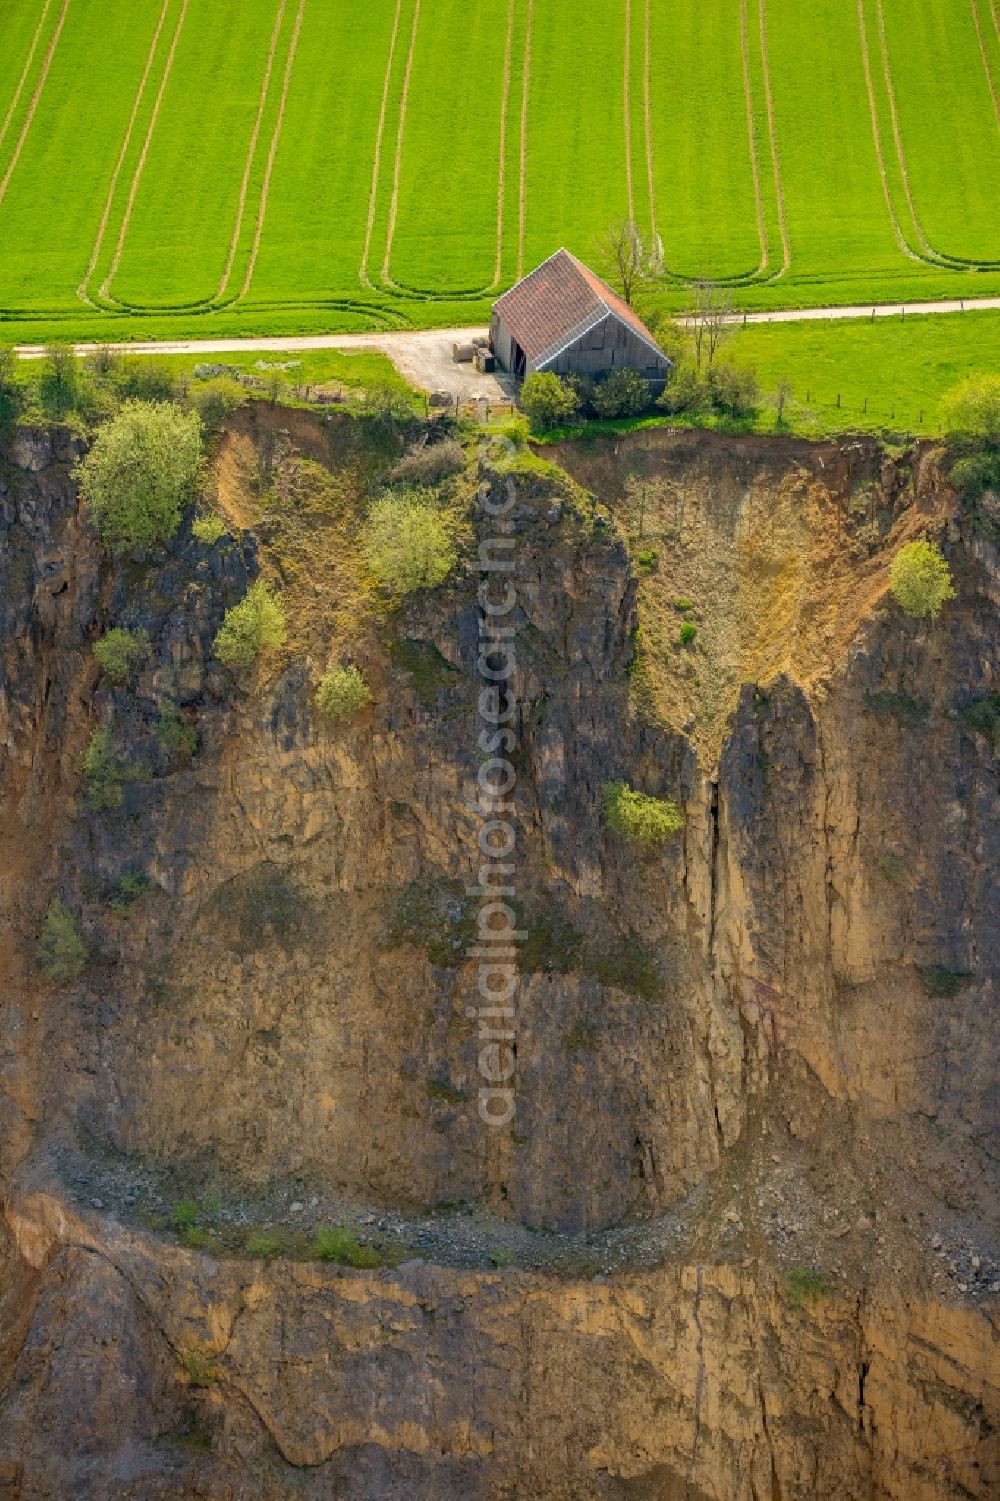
(864, 1365)
(829, 888)
(699, 1380)
(713, 898)
(775, 1482)
(713, 813)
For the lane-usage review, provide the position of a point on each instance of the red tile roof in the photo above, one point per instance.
(555, 299)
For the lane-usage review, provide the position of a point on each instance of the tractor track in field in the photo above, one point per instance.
(265, 187)
(19, 88)
(251, 152)
(82, 290)
(758, 196)
(628, 110)
(504, 115)
(379, 135)
(926, 251)
(105, 287)
(758, 276)
(397, 165)
(33, 106)
(897, 228)
(985, 56)
(468, 293)
(996, 17)
(779, 191)
(647, 112)
(522, 196)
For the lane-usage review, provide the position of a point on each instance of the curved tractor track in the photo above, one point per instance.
(762, 274)
(33, 106)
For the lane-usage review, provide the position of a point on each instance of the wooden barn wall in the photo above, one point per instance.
(609, 346)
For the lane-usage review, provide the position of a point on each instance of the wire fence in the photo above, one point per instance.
(803, 412)
(875, 412)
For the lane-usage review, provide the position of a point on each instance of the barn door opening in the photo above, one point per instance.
(520, 364)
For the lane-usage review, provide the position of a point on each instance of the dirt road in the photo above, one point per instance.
(423, 357)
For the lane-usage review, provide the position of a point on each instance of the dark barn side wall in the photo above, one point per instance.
(608, 346)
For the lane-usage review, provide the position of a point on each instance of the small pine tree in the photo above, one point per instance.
(176, 737)
(343, 1247)
(62, 953)
(104, 770)
(208, 528)
(257, 623)
(920, 580)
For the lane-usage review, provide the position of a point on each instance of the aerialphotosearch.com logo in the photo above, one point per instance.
(497, 935)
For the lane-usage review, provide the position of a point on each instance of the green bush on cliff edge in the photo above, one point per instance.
(140, 473)
(342, 692)
(920, 580)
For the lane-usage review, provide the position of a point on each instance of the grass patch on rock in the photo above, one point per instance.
(942, 983)
(435, 915)
(804, 1286)
(341, 1246)
(905, 710)
(430, 673)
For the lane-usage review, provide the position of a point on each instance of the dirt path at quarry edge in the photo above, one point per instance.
(416, 353)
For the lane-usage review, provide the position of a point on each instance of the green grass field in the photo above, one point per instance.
(886, 377)
(181, 166)
(889, 375)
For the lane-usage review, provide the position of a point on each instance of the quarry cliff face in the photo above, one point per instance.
(739, 1238)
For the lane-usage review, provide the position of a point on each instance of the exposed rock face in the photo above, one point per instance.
(689, 1381)
(807, 970)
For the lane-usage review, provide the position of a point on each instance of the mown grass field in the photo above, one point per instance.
(202, 166)
(855, 376)
(889, 375)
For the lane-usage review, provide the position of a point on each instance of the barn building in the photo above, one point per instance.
(565, 319)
